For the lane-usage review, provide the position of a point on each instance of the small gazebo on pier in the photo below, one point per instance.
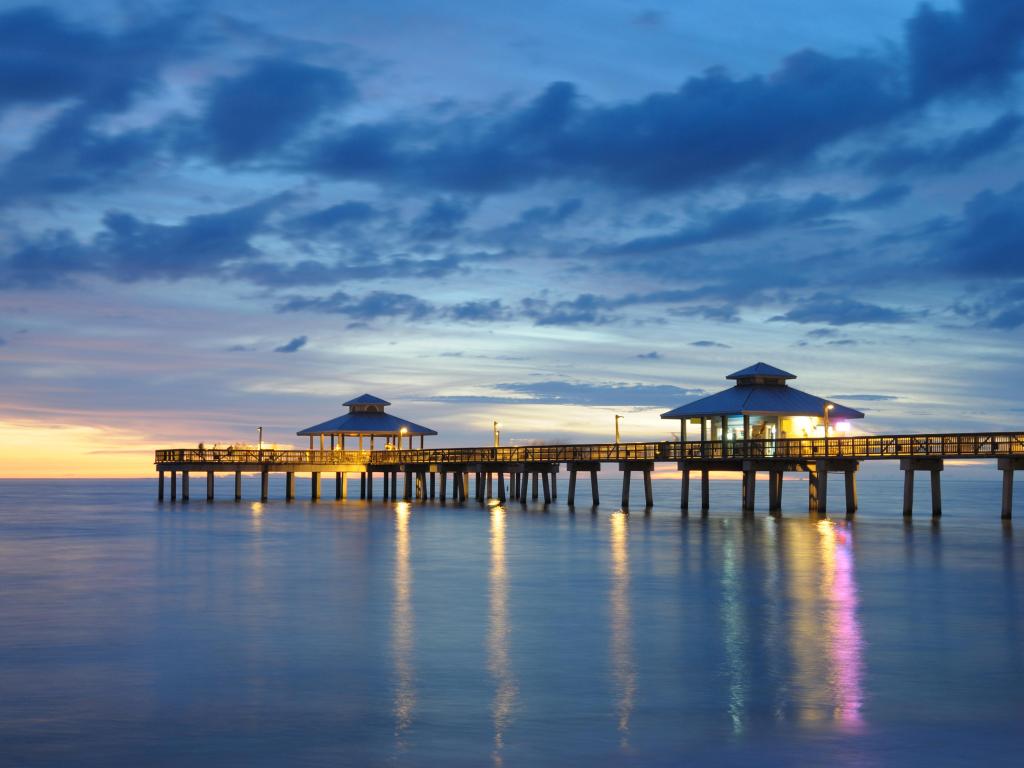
(762, 406)
(366, 418)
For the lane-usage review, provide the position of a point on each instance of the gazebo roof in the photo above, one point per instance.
(366, 399)
(761, 370)
(761, 389)
(367, 423)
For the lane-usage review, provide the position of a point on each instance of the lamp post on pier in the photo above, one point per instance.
(497, 433)
(824, 420)
(617, 418)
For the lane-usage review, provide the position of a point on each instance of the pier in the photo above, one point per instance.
(748, 429)
(532, 471)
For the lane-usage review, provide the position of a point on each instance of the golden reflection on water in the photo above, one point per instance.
(826, 643)
(623, 666)
(845, 643)
(498, 636)
(257, 514)
(402, 628)
(734, 635)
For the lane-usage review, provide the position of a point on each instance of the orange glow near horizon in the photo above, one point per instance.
(38, 449)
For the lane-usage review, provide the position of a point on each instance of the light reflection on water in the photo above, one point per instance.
(355, 634)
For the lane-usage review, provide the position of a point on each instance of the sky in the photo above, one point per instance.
(220, 215)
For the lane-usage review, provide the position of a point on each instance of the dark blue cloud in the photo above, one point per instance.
(331, 219)
(989, 240)
(758, 216)
(259, 111)
(712, 125)
(44, 58)
(440, 221)
(128, 249)
(951, 154)
(837, 310)
(372, 306)
(648, 356)
(292, 346)
(708, 344)
(976, 46)
(274, 274)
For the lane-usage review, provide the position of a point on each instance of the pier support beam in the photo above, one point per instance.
(813, 489)
(909, 466)
(384, 490)
(394, 485)
(775, 490)
(749, 481)
(340, 486)
(184, 486)
(645, 467)
(314, 491)
(684, 492)
(705, 491)
(547, 486)
(289, 486)
(554, 484)
(1008, 466)
(264, 485)
(433, 484)
(174, 485)
(362, 485)
(851, 491)
(575, 467)
(533, 493)
(238, 486)
(501, 486)
(407, 486)
(160, 487)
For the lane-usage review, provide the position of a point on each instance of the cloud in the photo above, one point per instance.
(128, 249)
(836, 310)
(292, 346)
(3, 341)
(372, 306)
(709, 344)
(579, 393)
(649, 356)
(340, 216)
(758, 216)
(440, 221)
(988, 239)
(259, 111)
(865, 397)
(948, 155)
(585, 309)
(713, 125)
(975, 47)
(313, 272)
(47, 60)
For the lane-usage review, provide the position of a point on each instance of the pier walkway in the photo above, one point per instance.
(421, 468)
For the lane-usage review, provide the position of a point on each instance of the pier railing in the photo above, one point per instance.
(864, 447)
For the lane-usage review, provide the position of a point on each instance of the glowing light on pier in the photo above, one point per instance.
(402, 628)
(498, 635)
(623, 666)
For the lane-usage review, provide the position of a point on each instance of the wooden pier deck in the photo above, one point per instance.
(421, 467)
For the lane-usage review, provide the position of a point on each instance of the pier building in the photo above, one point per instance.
(366, 418)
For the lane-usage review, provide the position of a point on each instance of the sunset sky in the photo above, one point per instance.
(218, 215)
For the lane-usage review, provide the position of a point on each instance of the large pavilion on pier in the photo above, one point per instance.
(366, 418)
(762, 406)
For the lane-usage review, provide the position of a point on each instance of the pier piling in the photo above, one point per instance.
(264, 485)
(184, 486)
(209, 486)
(909, 466)
(174, 486)
(160, 487)
(238, 485)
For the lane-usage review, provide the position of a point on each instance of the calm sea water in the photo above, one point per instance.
(133, 633)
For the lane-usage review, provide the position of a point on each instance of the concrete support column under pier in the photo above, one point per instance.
(932, 465)
(264, 485)
(684, 491)
(289, 486)
(238, 485)
(174, 485)
(501, 486)
(645, 467)
(209, 486)
(576, 467)
(160, 487)
(362, 485)
(184, 486)
(1008, 466)
(314, 491)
